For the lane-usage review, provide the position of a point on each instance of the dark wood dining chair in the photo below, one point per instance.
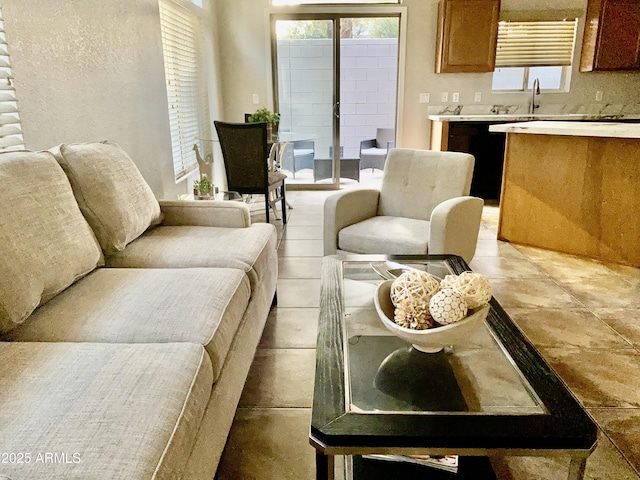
(245, 152)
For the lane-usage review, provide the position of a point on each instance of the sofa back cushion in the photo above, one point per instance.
(112, 194)
(45, 242)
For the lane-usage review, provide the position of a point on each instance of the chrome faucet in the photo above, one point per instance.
(535, 90)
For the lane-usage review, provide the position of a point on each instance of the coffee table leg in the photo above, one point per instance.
(577, 467)
(324, 466)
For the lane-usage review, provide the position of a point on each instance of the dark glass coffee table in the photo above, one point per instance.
(375, 394)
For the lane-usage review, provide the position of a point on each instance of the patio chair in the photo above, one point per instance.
(245, 152)
(298, 155)
(422, 207)
(373, 152)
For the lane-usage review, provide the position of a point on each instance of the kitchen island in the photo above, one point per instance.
(573, 187)
(470, 133)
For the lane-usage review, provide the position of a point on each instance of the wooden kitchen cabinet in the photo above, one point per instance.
(611, 36)
(467, 35)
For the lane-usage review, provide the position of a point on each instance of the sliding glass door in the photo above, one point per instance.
(335, 79)
(306, 98)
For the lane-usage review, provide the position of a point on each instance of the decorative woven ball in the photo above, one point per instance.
(411, 314)
(475, 288)
(415, 284)
(449, 281)
(448, 306)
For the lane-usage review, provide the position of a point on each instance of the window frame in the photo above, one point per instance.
(565, 81)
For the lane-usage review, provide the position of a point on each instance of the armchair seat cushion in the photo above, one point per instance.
(204, 306)
(385, 234)
(111, 410)
(376, 152)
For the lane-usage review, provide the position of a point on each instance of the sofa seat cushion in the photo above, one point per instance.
(389, 235)
(248, 249)
(113, 305)
(112, 194)
(45, 242)
(104, 410)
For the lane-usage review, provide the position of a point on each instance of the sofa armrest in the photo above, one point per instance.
(205, 213)
(454, 227)
(344, 209)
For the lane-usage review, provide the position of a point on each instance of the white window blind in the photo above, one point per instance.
(186, 92)
(10, 127)
(526, 44)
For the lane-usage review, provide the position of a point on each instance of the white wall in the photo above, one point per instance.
(244, 35)
(243, 50)
(93, 70)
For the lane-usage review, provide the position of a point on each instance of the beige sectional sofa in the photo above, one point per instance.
(127, 325)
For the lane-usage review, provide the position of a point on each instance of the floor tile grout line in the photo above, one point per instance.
(615, 445)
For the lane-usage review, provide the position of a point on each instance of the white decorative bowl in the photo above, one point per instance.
(430, 340)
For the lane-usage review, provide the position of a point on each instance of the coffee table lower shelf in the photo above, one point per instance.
(469, 468)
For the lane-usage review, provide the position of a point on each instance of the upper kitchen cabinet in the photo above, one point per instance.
(611, 36)
(467, 34)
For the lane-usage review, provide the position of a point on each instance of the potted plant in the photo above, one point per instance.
(202, 189)
(205, 187)
(271, 118)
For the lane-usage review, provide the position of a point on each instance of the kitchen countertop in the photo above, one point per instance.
(509, 117)
(577, 129)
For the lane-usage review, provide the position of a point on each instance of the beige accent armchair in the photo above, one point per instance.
(422, 207)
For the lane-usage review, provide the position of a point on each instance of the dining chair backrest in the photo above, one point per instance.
(245, 152)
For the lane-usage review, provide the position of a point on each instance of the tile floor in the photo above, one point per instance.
(583, 315)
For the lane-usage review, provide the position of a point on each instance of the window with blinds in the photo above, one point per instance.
(182, 42)
(527, 50)
(528, 44)
(10, 127)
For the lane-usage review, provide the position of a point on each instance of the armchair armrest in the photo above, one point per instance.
(367, 144)
(344, 209)
(205, 213)
(454, 227)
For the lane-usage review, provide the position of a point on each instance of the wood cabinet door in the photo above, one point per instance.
(612, 36)
(467, 35)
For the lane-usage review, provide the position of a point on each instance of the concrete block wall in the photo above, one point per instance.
(368, 80)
